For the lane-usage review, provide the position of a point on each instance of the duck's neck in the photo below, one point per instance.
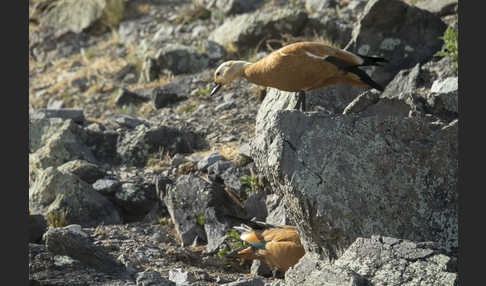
(253, 72)
(242, 66)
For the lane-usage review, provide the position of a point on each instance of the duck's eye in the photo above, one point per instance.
(218, 73)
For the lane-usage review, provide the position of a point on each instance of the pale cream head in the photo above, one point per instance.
(227, 72)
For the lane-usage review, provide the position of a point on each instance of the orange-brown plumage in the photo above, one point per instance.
(300, 67)
(279, 247)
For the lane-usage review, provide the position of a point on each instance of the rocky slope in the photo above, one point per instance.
(136, 175)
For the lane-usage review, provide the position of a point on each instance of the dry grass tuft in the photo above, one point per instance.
(191, 13)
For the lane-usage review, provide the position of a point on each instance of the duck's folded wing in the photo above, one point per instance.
(281, 234)
(319, 52)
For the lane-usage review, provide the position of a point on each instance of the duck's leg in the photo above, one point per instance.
(300, 105)
(302, 94)
(277, 274)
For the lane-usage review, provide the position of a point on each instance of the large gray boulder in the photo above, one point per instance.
(86, 171)
(439, 7)
(135, 146)
(73, 16)
(345, 176)
(62, 139)
(46, 45)
(72, 241)
(135, 200)
(175, 59)
(317, 5)
(76, 114)
(244, 32)
(414, 90)
(378, 261)
(63, 25)
(57, 191)
(188, 202)
(37, 225)
(229, 7)
(444, 94)
(392, 261)
(406, 36)
(312, 270)
(53, 142)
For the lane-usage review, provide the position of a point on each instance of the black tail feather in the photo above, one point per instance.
(372, 61)
(364, 77)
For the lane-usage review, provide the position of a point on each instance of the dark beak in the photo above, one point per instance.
(215, 89)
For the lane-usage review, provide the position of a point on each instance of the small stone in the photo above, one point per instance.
(445, 85)
(177, 160)
(244, 150)
(219, 167)
(213, 49)
(257, 281)
(260, 268)
(152, 278)
(81, 83)
(229, 96)
(55, 104)
(209, 160)
(107, 186)
(181, 277)
(224, 106)
(75, 114)
(126, 97)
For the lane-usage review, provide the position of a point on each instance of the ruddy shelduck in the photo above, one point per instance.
(278, 246)
(300, 67)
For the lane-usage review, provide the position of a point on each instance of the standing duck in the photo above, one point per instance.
(300, 67)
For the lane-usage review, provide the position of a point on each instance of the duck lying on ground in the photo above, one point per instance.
(300, 67)
(277, 245)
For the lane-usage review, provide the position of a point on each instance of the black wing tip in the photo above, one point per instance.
(372, 61)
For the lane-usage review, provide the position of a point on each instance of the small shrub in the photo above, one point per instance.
(57, 218)
(252, 182)
(163, 220)
(450, 47)
(201, 220)
(187, 107)
(232, 243)
(203, 91)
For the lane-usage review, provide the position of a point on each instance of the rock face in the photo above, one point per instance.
(135, 146)
(58, 191)
(444, 94)
(229, 7)
(37, 226)
(244, 32)
(175, 58)
(73, 16)
(55, 141)
(439, 7)
(408, 35)
(348, 176)
(378, 261)
(135, 200)
(86, 171)
(187, 202)
(66, 241)
(312, 270)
